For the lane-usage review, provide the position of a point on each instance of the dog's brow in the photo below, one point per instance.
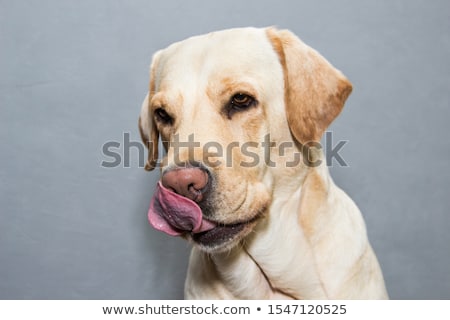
(229, 87)
(158, 100)
(166, 99)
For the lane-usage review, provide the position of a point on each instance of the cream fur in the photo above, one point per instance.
(310, 241)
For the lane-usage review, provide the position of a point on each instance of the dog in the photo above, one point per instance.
(240, 114)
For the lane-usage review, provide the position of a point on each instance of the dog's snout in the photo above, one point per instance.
(190, 182)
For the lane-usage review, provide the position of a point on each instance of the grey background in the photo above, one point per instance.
(73, 75)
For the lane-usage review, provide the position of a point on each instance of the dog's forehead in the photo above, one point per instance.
(245, 52)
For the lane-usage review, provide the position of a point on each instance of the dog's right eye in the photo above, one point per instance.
(162, 116)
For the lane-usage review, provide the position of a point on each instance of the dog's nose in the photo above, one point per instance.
(190, 182)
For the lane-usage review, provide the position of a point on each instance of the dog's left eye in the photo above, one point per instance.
(240, 102)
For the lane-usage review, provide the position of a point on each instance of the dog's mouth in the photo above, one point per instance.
(179, 216)
(223, 237)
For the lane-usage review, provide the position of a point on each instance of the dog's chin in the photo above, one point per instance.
(223, 237)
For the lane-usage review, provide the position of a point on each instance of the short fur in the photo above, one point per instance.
(305, 238)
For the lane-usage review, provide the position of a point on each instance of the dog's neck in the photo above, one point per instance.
(312, 244)
(266, 261)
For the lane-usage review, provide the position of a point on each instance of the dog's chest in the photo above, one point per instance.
(282, 252)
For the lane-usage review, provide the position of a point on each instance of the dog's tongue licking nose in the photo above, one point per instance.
(174, 214)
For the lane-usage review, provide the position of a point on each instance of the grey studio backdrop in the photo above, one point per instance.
(73, 75)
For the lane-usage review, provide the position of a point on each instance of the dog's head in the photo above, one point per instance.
(231, 108)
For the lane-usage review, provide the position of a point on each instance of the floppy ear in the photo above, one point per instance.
(149, 134)
(315, 91)
(147, 127)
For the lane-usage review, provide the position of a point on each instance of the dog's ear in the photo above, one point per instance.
(149, 134)
(147, 127)
(315, 91)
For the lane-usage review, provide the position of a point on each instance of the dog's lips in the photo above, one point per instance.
(218, 235)
(176, 215)
(224, 235)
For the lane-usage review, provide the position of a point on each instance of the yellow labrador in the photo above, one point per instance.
(240, 113)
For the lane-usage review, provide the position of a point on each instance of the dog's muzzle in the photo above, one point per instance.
(173, 208)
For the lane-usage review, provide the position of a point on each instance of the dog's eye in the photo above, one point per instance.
(162, 116)
(240, 102)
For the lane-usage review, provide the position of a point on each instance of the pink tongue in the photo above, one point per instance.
(174, 214)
